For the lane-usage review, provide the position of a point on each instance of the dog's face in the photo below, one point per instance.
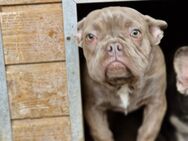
(117, 43)
(181, 69)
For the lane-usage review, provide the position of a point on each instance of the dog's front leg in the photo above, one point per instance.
(98, 123)
(153, 116)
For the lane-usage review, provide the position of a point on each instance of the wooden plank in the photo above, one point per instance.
(46, 129)
(5, 121)
(29, 8)
(33, 33)
(14, 2)
(37, 90)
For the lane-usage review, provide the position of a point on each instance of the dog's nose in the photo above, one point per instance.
(114, 49)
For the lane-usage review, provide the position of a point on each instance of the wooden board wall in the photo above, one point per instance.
(33, 42)
(46, 129)
(24, 2)
(37, 90)
(33, 33)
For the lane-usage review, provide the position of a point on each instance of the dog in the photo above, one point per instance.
(124, 70)
(181, 69)
(179, 112)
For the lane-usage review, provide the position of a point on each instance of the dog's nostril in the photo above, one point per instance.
(110, 48)
(114, 47)
(119, 47)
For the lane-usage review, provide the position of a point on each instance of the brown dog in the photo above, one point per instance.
(125, 69)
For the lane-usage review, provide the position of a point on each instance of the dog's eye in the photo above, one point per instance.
(135, 33)
(90, 37)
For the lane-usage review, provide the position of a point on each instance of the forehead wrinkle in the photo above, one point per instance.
(122, 13)
(98, 25)
(106, 15)
(122, 20)
(110, 21)
(114, 27)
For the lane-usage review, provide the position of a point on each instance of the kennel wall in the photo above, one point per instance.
(34, 87)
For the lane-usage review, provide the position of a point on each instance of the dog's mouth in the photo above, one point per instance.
(117, 72)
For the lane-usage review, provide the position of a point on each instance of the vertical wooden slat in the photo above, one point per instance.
(5, 122)
(72, 61)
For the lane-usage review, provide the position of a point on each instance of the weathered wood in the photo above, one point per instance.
(13, 2)
(37, 90)
(46, 129)
(33, 33)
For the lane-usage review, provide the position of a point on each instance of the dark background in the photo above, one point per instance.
(175, 13)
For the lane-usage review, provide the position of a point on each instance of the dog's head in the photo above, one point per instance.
(117, 42)
(181, 69)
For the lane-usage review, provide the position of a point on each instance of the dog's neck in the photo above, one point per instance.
(133, 85)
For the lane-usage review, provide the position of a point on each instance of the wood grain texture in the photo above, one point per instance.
(52, 129)
(37, 90)
(13, 2)
(33, 33)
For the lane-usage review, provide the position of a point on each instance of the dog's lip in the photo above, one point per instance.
(117, 73)
(116, 64)
(115, 68)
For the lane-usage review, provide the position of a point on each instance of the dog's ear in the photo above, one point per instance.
(156, 28)
(79, 32)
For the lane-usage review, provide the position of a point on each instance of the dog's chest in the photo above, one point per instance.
(124, 93)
